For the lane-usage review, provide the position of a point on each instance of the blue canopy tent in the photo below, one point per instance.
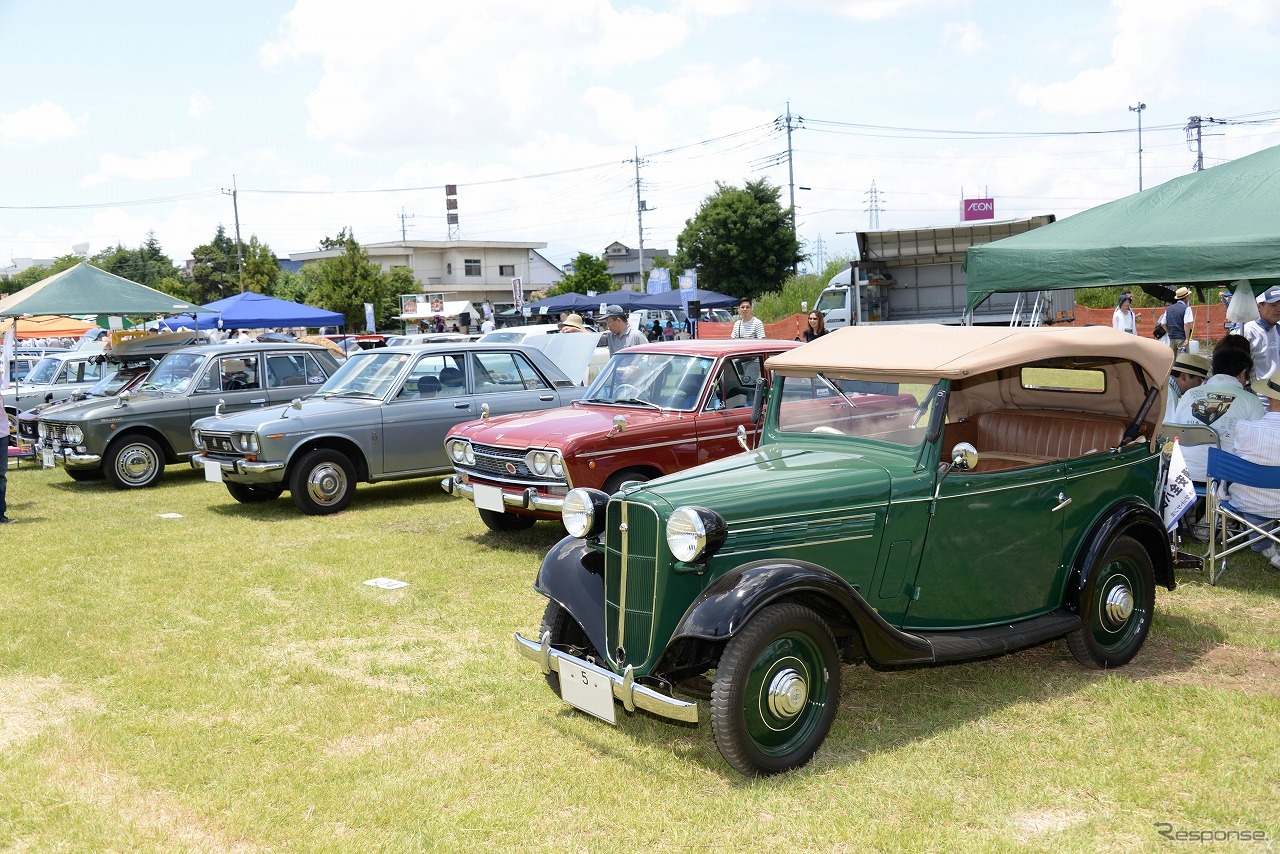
(582, 302)
(257, 311)
(671, 299)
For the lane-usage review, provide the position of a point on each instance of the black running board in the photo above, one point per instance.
(966, 644)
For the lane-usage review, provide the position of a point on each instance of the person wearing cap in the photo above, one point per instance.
(1179, 321)
(572, 323)
(1221, 403)
(1259, 442)
(1189, 370)
(1123, 317)
(621, 335)
(1264, 335)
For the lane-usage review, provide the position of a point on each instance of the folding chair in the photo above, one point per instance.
(1226, 469)
(1189, 435)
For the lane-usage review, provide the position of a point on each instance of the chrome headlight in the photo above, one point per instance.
(195, 439)
(583, 512)
(460, 451)
(557, 464)
(694, 533)
(74, 435)
(538, 462)
(245, 443)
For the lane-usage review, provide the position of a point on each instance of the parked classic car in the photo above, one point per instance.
(55, 378)
(1011, 504)
(129, 439)
(382, 416)
(655, 409)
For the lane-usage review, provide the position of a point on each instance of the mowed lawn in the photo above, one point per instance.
(225, 681)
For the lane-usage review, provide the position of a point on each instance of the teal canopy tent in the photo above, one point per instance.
(84, 289)
(1206, 228)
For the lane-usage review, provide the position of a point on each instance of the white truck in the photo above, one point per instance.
(917, 276)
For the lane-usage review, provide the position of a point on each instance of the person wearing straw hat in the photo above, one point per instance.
(1189, 370)
(1123, 317)
(1259, 442)
(572, 323)
(1179, 321)
(1264, 334)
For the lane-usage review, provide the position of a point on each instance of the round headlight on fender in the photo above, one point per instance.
(695, 533)
(583, 512)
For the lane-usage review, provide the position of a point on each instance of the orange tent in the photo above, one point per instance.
(49, 326)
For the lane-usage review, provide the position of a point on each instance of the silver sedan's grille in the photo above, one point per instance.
(219, 442)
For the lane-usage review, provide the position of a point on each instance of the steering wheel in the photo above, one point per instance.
(626, 392)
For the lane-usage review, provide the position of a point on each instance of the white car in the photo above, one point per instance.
(530, 334)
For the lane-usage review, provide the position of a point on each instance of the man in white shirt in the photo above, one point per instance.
(747, 326)
(1189, 370)
(487, 326)
(1259, 442)
(1220, 403)
(1264, 334)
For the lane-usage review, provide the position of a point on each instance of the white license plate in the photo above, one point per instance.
(212, 471)
(488, 497)
(587, 690)
(47, 458)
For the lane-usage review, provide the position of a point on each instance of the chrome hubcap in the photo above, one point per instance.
(136, 464)
(787, 694)
(1119, 604)
(327, 483)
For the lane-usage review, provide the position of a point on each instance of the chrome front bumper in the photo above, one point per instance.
(526, 499)
(251, 471)
(72, 460)
(633, 696)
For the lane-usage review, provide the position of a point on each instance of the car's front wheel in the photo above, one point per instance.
(246, 494)
(134, 462)
(776, 691)
(322, 482)
(503, 522)
(1116, 606)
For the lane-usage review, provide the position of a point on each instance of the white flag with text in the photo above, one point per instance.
(1179, 494)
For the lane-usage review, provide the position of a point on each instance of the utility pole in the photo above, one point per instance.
(1138, 109)
(791, 171)
(235, 207)
(640, 209)
(1195, 136)
(403, 217)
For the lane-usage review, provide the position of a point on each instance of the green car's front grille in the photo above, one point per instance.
(630, 581)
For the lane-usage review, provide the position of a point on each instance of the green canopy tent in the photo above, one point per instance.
(84, 289)
(1206, 228)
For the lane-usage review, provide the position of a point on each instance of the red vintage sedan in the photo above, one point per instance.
(655, 409)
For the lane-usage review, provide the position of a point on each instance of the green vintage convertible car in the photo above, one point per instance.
(921, 495)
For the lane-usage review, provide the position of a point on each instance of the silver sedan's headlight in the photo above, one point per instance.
(74, 435)
(583, 512)
(246, 443)
(538, 462)
(694, 533)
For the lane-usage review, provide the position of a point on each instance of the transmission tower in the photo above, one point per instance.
(451, 211)
(873, 207)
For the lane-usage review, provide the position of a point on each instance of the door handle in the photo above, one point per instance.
(1063, 501)
(546, 397)
(463, 405)
(259, 400)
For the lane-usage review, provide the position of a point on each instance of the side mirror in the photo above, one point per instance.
(217, 410)
(964, 457)
(296, 403)
(757, 405)
(484, 412)
(122, 398)
(742, 438)
(619, 424)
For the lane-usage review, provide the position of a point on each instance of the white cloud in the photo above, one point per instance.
(151, 165)
(199, 106)
(964, 37)
(38, 124)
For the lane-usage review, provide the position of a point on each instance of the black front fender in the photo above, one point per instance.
(572, 576)
(734, 598)
(1129, 518)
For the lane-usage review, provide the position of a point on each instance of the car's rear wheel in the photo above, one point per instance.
(1116, 607)
(84, 475)
(776, 691)
(566, 636)
(134, 462)
(322, 482)
(503, 522)
(246, 494)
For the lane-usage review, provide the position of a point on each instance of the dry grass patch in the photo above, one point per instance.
(30, 705)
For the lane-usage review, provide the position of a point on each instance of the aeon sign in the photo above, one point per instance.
(971, 209)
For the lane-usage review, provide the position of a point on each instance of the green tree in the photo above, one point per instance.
(349, 281)
(147, 265)
(214, 274)
(338, 242)
(740, 241)
(38, 272)
(298, 287)
(589, 274)
(260, 267)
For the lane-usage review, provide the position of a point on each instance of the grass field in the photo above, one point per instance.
(225, 681)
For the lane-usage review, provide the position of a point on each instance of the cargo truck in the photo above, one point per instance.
(916, 276)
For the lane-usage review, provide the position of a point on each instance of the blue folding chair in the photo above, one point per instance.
(1229, 530)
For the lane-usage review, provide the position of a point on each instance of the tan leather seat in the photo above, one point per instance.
(1014, 438)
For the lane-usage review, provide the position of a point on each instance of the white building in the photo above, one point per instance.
(476, 271)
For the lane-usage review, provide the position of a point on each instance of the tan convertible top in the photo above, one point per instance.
(956, 352)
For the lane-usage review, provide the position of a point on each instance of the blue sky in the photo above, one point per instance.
(129, 117)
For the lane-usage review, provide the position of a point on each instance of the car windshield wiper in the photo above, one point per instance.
(630, 401)
(353, 393)
(596, 400)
